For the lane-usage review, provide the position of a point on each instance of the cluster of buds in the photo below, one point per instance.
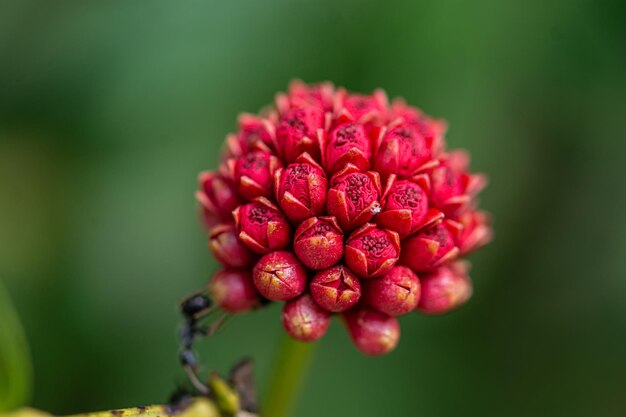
(342, 204)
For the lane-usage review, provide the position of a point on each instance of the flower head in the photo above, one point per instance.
(342, 203)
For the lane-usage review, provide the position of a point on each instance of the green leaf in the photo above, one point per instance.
(15, 365)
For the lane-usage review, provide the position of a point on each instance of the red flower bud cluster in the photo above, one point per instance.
(341, 203)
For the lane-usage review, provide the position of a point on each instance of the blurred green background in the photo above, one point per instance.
(108, 110)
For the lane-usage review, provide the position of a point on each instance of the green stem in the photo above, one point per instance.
(15, 365)
(292, 364)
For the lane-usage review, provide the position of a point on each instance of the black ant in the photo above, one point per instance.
(203, 318)
(195, 309)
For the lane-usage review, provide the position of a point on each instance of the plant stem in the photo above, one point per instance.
(15, 364)
(288, 374)
(199, 407)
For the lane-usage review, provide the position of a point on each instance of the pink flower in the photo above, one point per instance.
(261, 226)
(353, 197)
(371, 252)
(382, 214)
(301, 189)
(336, 289)
(445, 289)
(318, 242)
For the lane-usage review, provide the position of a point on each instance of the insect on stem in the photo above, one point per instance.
(196, 309)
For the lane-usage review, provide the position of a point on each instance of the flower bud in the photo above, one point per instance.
(405, 113)
(447, 188)
(298, 132)
(476, 231)
(403, 151)
(279, 276)
(433, 130)
(227, 248)
(371, 252)
(261, 226)
(405, 209)
(254, 173)
(353, 197)
(335, 289)
(255, 133)
(318, 242)
(233, 290)
(452, 187)
(304, 320)
(361, 108)
(372, 332)
(209, 218)
(429, 249)
(302, 95)
(301, 189)
(348, 143)
(218, 197)
(395, 293)
(445, 289)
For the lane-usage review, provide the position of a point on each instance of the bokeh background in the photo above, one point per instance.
(108, 110)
